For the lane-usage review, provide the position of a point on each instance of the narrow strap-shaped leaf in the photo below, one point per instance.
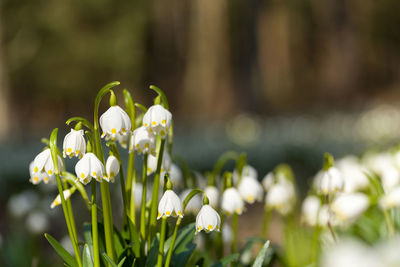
(121, 262)
(61, 251)
(87, 257)
(109, 260)
(225, 261)
(261, 256)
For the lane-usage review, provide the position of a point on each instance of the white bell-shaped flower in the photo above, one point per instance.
(232, 202)
(348, 207)
(37, 177)
(88, 167)
(281, 197)
(74, 144)
(207, 219)
(143, 141)
(268, 181)
(44, 162)
(57, 201)
(152, 163)
(213, 195)
(309, 210)
(390, 199)
(194, 205)
(113, 122)
(353, 174)
(250, 189)
(112, 168)
(170, 205)
(157, 120)
(247, 170)
(330, 181)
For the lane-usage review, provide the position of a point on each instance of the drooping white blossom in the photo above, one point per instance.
(57, 201)
(232, 202)
(88, 167)
(37, 177)
(330, 181)
(310, 209)
(170, 205)
(113, 122)
(354, 174)
(347, 207)
(207, 219)
(143, 141)
(152, 163)
(157, 120)
(44, 162)
(250, 189)
(112, 168)
(281, 197)
(213, 195)
(74, 144)
(391, 199)
(247, 170)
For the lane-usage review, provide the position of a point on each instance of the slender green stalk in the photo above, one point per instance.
(70, 212)
(316, 235)
(115, 150)
(267, 218)
(154, 199)
(130, 181)
(171, 247)
(95, 233)
(220, 244)
(162, 239)
(143, 209)
(235, 217)
(389, 223)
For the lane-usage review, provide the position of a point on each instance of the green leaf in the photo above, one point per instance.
(152, 256)
(87, 257)
(261, 256)
(225, 261)
(119, 242)
(121, 262)
(184, 245)
(109, 260)
(61, 251)
(130, 107)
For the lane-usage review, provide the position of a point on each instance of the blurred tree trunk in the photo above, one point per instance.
(207, 81)
(4, 93)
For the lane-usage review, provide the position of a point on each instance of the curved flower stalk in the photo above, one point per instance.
(74, 144)
(194, 206)
(250, 189)
(157, 120)
(88, 167)
(112, 169)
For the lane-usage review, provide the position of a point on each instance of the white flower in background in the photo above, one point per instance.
(37, 177)
(325, 216)
(44, 162)
(19, 204)
(88, 167)
(390, 178)
(57, 201)
(330, 181)
(194, 205)
(170, 205)
(175, 175)
(227, 234)
(138, 194)
(213, 195)
(281, 197)
(268, 181)
(389, 251)
(250, 189)
(113, 122)
(143, 141)
(123, 139)
(37, 222)
(152, 163)
(350, 253)
(231, 201)
(157, 120)
(310, 209)
(348, 207)
(74, 144)
(207, 219)
(112, 168)
(391, 199)
(246, 171)
(353, 173)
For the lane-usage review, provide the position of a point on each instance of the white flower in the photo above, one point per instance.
(213, 195)
(390, 178)
(19, 204)
(89, 166)
(309, 210)
(44, 162)
(281, 197)
(330, 181)
(232, 201)
(143, 141)
(123, 139)
(113, 122)
(227, 234)
(112, 168)
(246, 171)
(348, 207)
(152, 163)
(57, 201)
(250, 189)
(391, 199)
(207, 219)
(37, 222)
(37, 177)
(353, 174)
(158, 120)
(268, 181)
(194, 205)
(74, 144)
(170, 204)
(175, 175)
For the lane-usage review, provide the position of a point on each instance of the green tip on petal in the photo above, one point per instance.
(328, 161)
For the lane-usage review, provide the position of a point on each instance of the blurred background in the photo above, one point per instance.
(283, 80)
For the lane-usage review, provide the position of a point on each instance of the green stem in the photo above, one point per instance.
(115, 150)
(72, 219)
(95, 234)
(154, 199)
(389, 223)
(171, 247)
(143, 209)
(317, 233)
(162, 239)
(234, 229)
(267, 217)
(130, 180)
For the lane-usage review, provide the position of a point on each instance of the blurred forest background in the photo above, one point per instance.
(283, 80)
